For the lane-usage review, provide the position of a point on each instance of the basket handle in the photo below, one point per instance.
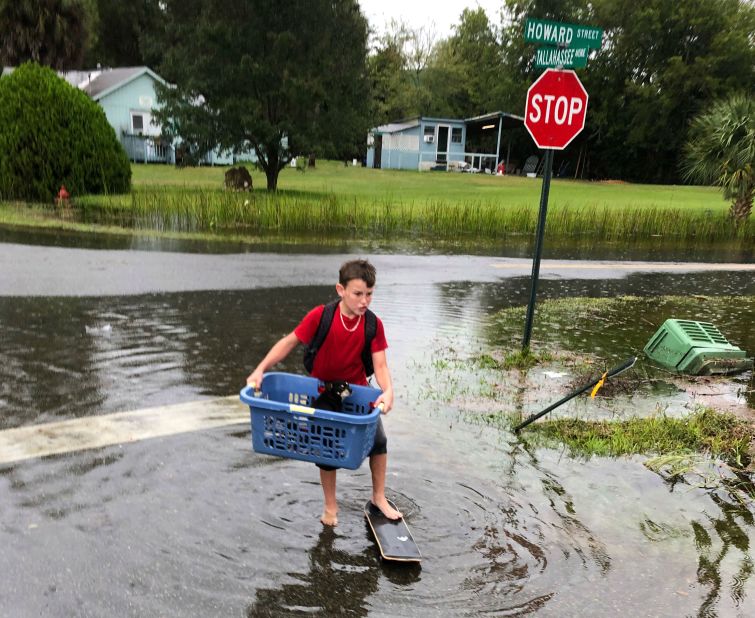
(257, 391)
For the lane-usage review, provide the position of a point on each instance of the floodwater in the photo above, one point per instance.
(587, 248)
(198, 524)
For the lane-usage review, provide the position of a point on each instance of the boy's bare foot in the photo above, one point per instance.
(329, 518)
(386, 508)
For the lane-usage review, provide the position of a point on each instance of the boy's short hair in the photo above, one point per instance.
(357, 269)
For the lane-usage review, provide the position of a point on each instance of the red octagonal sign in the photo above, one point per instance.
(556, 109)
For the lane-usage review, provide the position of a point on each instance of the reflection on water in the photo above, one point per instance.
(199, 524)
(655, 249)
(338, 583)
(71, 357)
(730, 538)
(67, 357)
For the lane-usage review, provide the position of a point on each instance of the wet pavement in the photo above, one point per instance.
(52, 271)
(196, 523)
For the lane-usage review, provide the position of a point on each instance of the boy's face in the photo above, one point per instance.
(355, 297)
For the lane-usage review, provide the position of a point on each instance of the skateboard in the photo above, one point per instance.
(394, 540)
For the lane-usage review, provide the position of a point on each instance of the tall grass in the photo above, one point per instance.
(203, 210)
(707, 431)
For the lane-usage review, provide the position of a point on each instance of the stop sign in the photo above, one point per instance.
(556, 109)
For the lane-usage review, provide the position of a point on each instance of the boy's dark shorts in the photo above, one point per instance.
(379, 447)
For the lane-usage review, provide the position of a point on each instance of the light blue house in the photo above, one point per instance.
(426, 143)
(129, 99)
(416, 144)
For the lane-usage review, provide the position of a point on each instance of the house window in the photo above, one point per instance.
(456, 136)
(137, 123)
(430, 129)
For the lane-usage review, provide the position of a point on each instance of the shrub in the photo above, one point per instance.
(52, 134)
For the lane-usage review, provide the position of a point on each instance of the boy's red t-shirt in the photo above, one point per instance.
(340, 357)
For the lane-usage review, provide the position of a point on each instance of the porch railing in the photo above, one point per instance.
(145, 149)
(461, 161)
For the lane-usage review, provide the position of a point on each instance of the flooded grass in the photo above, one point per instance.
(336, 201)
(705, 431)
(198, 210)
(611, 329)
(645, 411)
(517, 359)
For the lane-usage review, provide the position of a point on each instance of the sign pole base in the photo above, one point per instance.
(547, 172)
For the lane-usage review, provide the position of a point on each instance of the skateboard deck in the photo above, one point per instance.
(394, 540)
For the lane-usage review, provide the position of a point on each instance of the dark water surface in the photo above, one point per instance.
(197, 524)
(587, 248)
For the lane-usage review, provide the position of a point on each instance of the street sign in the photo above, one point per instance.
(564, 58)
(562, 35)
(556, 109)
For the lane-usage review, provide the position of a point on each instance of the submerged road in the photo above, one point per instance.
(53, 271)
(80, 434)
(128, 485)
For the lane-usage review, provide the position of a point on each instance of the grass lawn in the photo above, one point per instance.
(336, 201)
(407, 187)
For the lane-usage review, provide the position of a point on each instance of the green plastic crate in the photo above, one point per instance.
(696, 348)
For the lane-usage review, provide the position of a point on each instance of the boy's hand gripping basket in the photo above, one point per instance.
(285, 424)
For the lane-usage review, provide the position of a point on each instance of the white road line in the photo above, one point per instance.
(78, 434)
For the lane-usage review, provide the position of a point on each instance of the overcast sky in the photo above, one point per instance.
(417, 13)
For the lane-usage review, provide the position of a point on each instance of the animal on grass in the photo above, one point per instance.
(332, 396)
(238, 179)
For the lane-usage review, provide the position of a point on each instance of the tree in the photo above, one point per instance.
(52, 134)
(721, 151)
(122, 31)
(661, 63)
(55, 33)
(398, 70)
(392, 91)
(284, 78)
(466, 73)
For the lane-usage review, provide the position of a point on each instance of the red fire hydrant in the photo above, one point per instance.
(63, 195)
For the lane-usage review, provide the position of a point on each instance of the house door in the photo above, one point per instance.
(441, 154)
(377, 160)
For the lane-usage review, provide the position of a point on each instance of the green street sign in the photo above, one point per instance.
(562, 35)
(567, 58)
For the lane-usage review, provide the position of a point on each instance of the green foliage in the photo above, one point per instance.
(122, 30)
(721, 151)
(55, 33)
(282, 78)
(52, 134)
(393, 93)
(465, 74)
(526, 359)
(706, 430)
(330, 213)
(661, 63)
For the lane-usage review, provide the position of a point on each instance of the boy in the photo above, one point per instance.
(340, 358)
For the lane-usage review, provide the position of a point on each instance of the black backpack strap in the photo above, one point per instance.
(370, 330)
(323, 328)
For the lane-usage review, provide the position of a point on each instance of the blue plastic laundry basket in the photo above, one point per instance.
(285, 424)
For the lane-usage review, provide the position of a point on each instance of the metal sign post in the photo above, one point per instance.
(538, 246)
(555, 111)
(554, 116)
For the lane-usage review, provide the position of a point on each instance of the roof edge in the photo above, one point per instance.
(128, 80)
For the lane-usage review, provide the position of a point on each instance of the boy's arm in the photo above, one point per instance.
(383, 377)
(276, 354)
